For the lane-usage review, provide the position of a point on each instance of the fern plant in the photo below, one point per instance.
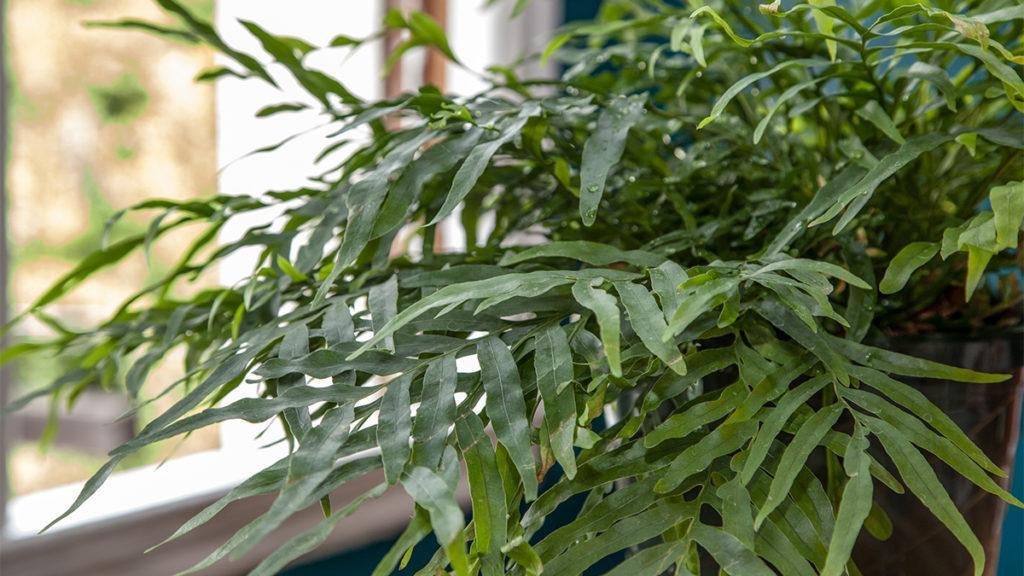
(719, 190)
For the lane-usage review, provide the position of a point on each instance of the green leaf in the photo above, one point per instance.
(651, 560)
(485, 485)
(383, 303)
(896, 363)
(796, 454)
(688, 421)
(438, 159)
(918, 404)
(697, 300)
(816, 266)
(918, 475)
(394, 427)
(436, 412)
(874, 113)
(430, 491)
(553, 364)
(150, 27)
(1008, 209)
(506, 408)
(606, 310)
(854, 506)
(822, 345)
(648, 321)
(887, 166)
(775, 421)
(310, 539)
(909, 259)
(627, 532)
(475, 164)
(824, 24)
(666, 279)
(417, 530)
(721, 441)
(603, 149)
(786, 96)
(278, 108)
(732, 555)
(737, 514)
(538, 282)
(977, 261)
(938, 77)
(743, 83)
(920, 435)
(593, 253)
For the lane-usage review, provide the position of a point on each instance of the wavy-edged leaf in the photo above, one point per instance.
(749, 80)
(394, 427)
(383, 303)
(874, 114)
(433, 493)
(886, 167)
(478, 159)
(398, 554)
(553, 364)
(799, 449)
(1008, 212)
(922, 481)
(732, 556)
(506, 408)
(723, 440)
(786, 96)
(854, 506)
(920, 435)
(918, 404)
(606, 310)
(693, 417)
(626, 532)
(648, 321)
(775, 421)
(593, 253)
(313, 537)
(904, 365)
(485, 485)
(436, 412)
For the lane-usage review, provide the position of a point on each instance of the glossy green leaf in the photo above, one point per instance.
(604, 148)
(553, 363)
(721, 441)
(648, 321)
(394, 427)
(593, 253)
(606, 310)
(732, 555)
(796, 454)
(854, 506)
(506, 408)
(485, 487)
(1008, 208)
(921, 479)
(909, 259)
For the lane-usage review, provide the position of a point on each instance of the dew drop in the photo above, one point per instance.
(592, 188)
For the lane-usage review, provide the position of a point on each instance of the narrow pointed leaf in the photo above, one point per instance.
(506, 408)
(604, 148)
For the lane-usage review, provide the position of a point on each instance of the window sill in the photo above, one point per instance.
(137, 509)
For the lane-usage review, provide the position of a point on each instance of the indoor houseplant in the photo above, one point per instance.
(680, 246)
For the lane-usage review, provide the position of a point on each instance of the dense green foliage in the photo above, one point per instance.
(729, 192)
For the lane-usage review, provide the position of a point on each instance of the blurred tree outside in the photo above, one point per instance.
(99, 120)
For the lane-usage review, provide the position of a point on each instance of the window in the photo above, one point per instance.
(129, 124)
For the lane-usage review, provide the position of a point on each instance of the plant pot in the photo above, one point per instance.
(990, 415)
